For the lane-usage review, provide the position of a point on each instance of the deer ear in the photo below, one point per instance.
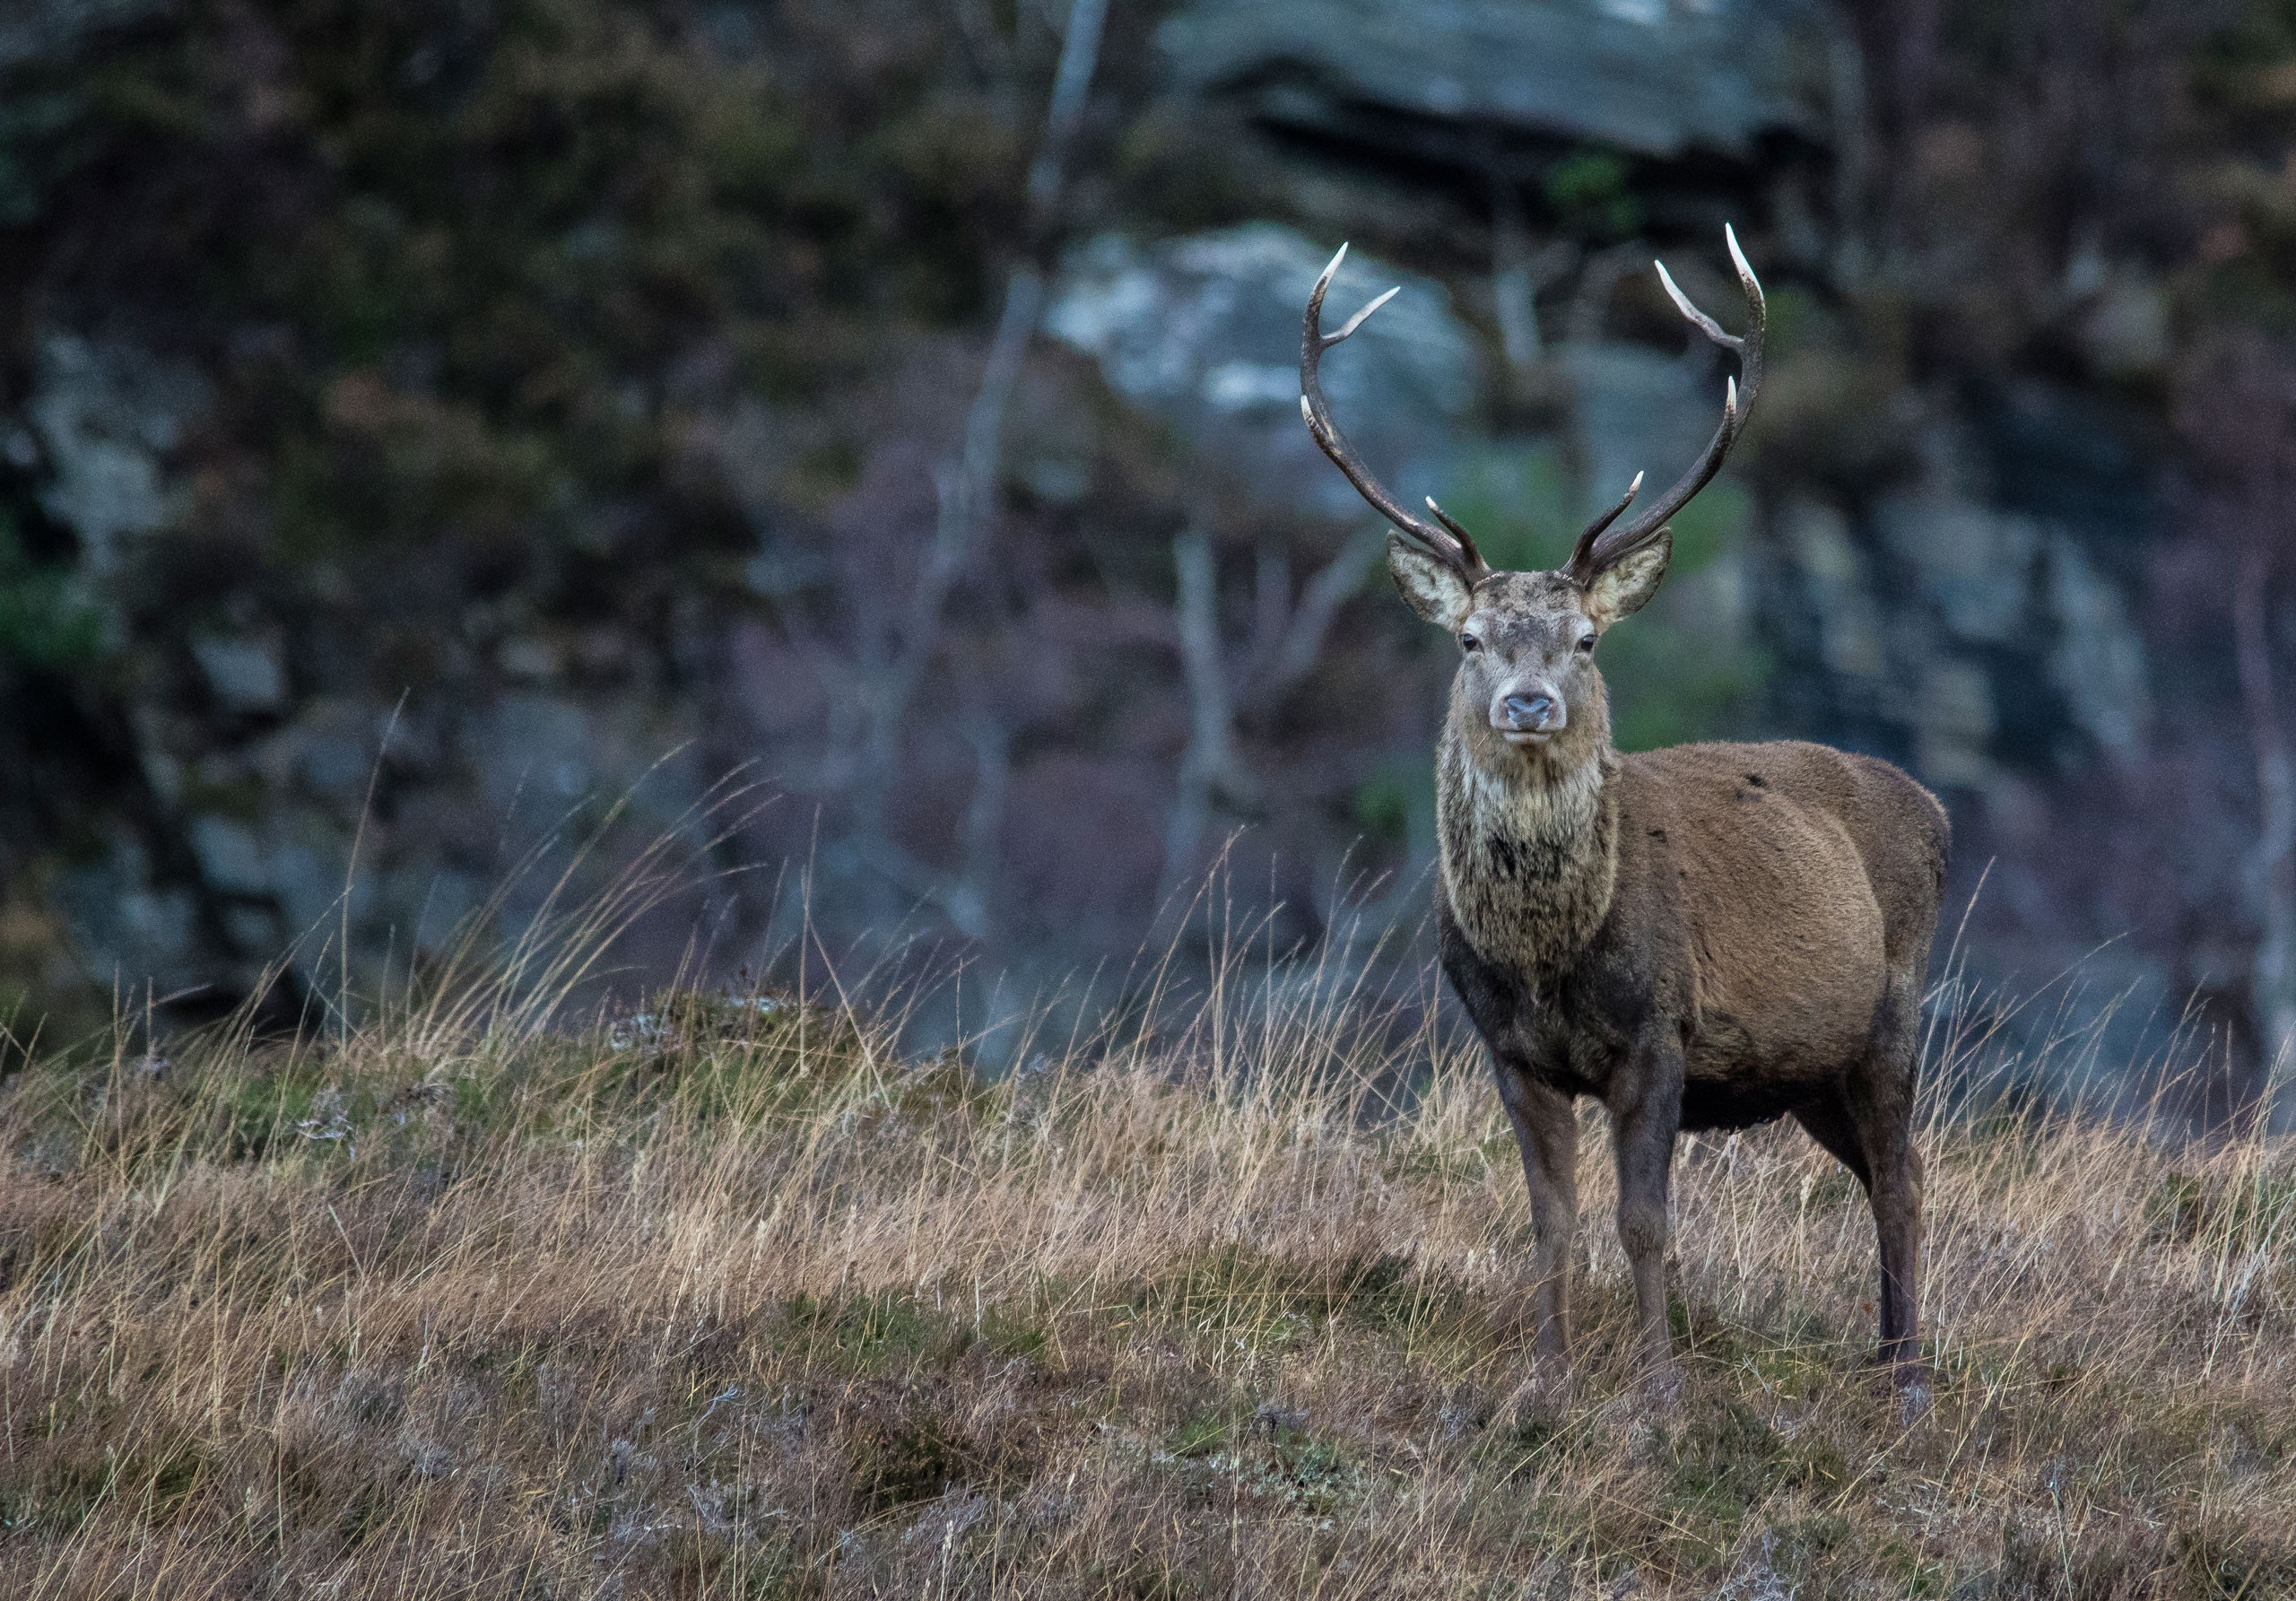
(1621, 590)
(1437, 593)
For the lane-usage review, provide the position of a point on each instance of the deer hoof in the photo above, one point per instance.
(1543, 1397)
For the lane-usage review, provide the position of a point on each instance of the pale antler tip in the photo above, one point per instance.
(1635, 488)
(1361, 318)
(1674, 294)
(1438, 510)
(1738, 259)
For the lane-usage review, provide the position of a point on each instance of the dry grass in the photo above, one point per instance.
(731, 1299)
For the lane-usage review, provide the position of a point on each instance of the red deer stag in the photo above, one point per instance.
(1708, 937)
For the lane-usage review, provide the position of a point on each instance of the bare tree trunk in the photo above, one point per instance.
(967, 490)
(1209, 767)
(2272, 870)
(1293, 649)
(969, 903)
(1288, 635)
(966, 507)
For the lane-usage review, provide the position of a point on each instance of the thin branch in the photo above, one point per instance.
(1332, 586)
(1289, 637)
(1210, 767)
(972, 900)
(1212, 722)
(1071, 84)
(1271, 605)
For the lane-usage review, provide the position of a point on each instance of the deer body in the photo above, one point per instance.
(1741, 893)
(1767, 951)
(1708, 937)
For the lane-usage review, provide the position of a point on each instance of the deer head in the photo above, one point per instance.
(1527, 639)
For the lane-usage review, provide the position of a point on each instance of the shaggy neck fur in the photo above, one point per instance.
(1529, 837)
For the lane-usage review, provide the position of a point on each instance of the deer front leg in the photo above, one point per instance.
(1547, 1130)
(1646, 1108)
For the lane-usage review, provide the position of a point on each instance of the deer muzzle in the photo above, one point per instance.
(1529, 716)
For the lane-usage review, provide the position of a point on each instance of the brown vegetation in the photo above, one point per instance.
(728, 1297)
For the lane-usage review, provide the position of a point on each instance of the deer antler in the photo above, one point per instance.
(1450, 544)
(1601, 547)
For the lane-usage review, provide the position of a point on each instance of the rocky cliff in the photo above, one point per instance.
(425, 440)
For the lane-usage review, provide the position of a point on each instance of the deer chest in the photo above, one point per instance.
(1529, 872)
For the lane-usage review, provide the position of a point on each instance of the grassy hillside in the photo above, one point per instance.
(728, 1297)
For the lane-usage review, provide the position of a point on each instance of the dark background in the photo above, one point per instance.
(424, 423)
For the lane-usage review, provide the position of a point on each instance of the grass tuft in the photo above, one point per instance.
(727, 1296)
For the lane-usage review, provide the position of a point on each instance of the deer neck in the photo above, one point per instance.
(1529, 838)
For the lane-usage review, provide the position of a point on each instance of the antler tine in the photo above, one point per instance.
(1705, 325)
(1585, 544)
(1597, 549)
(1450, 544)
(1450, 522)
(1347, 330)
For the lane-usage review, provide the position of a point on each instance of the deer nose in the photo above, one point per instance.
(1535, 713)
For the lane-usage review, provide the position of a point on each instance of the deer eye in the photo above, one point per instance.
(1469, 642)
(1587, 645)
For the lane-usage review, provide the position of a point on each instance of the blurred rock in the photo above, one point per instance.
(126, 928)
(106, 412)
(245, 674)
(230, 855)
(1204, 331)
(1975, 562)
(53, 29)
(2097, 655)
(536, 749)
(331, 750)
(2075, 459)
(1973, 640)
(1636, 409)
(528, 660)
(2026, 595)
(2125, 329)
(1840, 586)
(1652, 77)
(1953, 723)
(308, 856)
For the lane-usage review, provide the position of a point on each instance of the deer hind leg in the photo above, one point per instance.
(1827, 1122)
(1646, 1108)
(1878, 1098)
(1547, 1129)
